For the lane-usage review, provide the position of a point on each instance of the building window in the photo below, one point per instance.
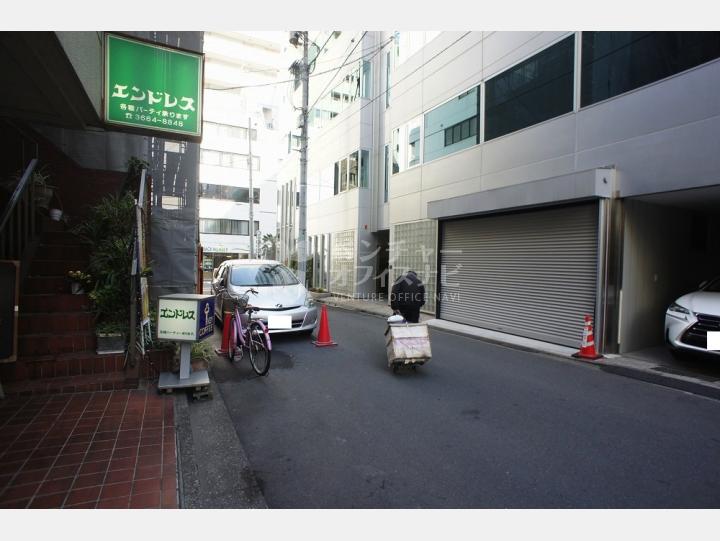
(226, 227)
(228, 159)
(353, 171)
(366, 79)
(538, 89)
(387, 79)
(413, 142)
(231, 193)
(293, 142)
(336, 182)
(398, 153)
(407, 145)
(225, 130)
(452, 126)
(346, 172)
(617, 62)
(364, 168)
(343, 175)
(461, 131)
(356, 84)
(209, 157)
(387, 172)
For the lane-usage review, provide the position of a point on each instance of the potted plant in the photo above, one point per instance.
(43, 191)
(80, 282)
(109, 229)
(110, 336)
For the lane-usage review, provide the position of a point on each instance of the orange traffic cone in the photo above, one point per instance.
(323, 338)
(587, 348)
(226, 335)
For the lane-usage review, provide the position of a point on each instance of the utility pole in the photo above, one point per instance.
(302, 226)
(304, 70)
(251, 196)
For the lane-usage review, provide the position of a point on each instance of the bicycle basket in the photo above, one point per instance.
(240, 301)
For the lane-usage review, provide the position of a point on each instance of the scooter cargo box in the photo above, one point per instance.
(407, 343)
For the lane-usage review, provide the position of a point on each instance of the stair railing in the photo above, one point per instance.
(18, 224)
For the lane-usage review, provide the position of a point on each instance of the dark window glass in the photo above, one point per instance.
(353, 171)
(231, 193)
(457, 132)
(616, 62)
(364, 168)
(226, 227)
(461, 131)
(387, 171)
(343, 175)
(336, 185)
(535, 90)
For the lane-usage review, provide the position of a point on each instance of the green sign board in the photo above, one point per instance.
(153, 87)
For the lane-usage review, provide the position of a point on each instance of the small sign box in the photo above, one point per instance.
(186, 317)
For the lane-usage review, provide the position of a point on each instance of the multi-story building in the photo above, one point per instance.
(529, 178)
(242, 70)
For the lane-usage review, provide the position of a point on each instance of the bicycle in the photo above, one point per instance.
(251, 335)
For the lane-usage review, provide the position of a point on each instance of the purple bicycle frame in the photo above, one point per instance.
(239, 332)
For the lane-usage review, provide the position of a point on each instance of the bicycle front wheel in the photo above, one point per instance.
(259, 352)
(232, 342)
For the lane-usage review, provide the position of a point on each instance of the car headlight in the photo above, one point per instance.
(675, 307)
(309, 301)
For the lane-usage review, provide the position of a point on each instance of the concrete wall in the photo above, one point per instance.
(85, 52)
(659, 137)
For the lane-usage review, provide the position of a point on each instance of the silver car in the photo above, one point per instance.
(285, 305)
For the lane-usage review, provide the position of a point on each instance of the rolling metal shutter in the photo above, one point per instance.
(531, 274)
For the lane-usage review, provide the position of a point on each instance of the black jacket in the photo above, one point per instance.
(407, 292)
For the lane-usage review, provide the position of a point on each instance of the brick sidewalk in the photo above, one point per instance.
(112, 449)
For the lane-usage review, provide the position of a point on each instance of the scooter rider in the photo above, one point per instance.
(407, 296)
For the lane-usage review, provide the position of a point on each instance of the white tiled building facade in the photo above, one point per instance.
(242, 70)
(530, 178)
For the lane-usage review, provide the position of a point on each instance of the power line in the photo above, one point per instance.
(336, 125)
(382, 93)
(320, 50)
(322, 93)
(347, 62)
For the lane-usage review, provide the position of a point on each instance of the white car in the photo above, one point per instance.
(692, 316)
(279, 293)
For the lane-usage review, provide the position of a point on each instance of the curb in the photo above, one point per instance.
(361, 310)
(648, 376)
(211, 451)
(659, 378)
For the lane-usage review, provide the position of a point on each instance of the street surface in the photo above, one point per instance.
(480, 426)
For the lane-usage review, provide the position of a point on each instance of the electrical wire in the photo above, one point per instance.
(322, 93)
(472, 76)
(383, 92)
(363, 56)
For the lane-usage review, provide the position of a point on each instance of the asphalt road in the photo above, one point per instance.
(480, 426)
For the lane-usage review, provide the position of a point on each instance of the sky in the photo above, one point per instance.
(368, 14)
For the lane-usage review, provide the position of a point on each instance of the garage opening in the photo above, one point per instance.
(671, 244)
(531, 273)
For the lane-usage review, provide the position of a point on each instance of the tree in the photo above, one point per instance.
(269, 246)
